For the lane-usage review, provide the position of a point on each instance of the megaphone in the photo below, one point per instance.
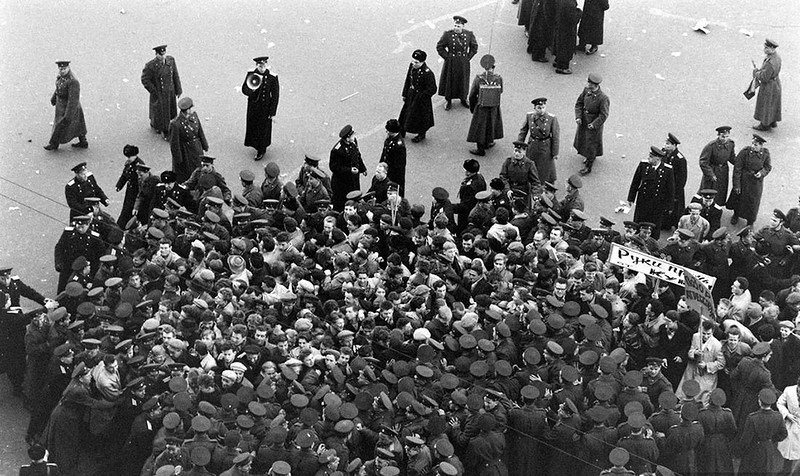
(254, 81)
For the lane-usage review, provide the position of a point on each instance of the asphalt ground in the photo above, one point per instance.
(343, 62)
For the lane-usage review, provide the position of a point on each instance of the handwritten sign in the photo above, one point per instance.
(698, 296)
(655, 267)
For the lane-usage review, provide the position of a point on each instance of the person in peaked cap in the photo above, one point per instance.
(416, 116)
(652, 189)
(520, 175)
(457, 47)
(187, 141)
(572, 199)
(714, 160)
(544, 137)
(676, 159)
(752, 164)
(77, 241)
(82, 186)
(15, 289)
(749, 377)
(768, 101)
(346, 166)
(472, 183)
(486, 449)
(161, 79)
(262, 89)
(618, 457)
(760, 434)
(394, 155)
(69, 121)
(710, 210)
(205, 176)
(591, 111)
(484, 103)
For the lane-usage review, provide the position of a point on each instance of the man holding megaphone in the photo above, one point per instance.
(262, 91)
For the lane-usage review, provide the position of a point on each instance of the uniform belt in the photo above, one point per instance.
(542, 138)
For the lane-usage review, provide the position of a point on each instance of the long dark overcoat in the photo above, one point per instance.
(262, 105)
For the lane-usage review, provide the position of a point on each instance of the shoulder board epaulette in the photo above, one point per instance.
(551, 115)
(182, 186)
(71, 182)
(697, 196)
(674, 426)
(668, 165)
(15, 277)
(727, 410)
(644, 161)
(69, 228)
(680, 154)
(718, 206)
(94, 233)
(89, 174)
(160, 184)
(337, 146)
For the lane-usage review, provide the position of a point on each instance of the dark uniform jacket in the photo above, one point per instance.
(719, 429)
(520, 175)
(762, 431)
(39, 469)
(470, 186)
(76, 191)
(262, 105)
(394, 155)
(160, 78)
(748, 163)
(16, 289)
(653, 191)
(193, 183)
(714, 160)
(543, 134)
(344, 157)
(678, 162)
(643, 451)
(73, 244)
(457, 49)
(147, 197)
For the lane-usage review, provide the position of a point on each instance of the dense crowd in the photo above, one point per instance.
(485, 337)
(306, 327)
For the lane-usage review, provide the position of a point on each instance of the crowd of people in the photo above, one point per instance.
(306, 327)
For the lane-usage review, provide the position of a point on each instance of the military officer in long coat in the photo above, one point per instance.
(565, 29)
(714, 161)
(591, 112)
(748, 379)
(472, 183)
(543, 134)
(394, 155)
(262, 105)
(68, 122)
(652, 189)
(719, 429)
(768, 101)
(346, 165)
(456, 47)
(187, 140)
(82, 186)
(752, 164)
(676, 159)
(416, 116)
(160, 78)
(76, 241)
(484, 103)
(148, 193)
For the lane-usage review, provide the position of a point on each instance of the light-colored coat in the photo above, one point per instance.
(709, 352)
(789, 404)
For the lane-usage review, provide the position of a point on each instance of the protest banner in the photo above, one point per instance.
(655, 267)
